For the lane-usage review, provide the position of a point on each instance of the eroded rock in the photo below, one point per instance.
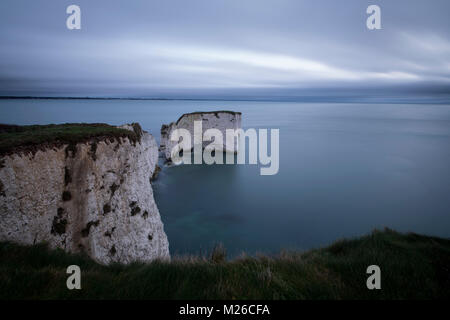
(58, 195)
(221, 120)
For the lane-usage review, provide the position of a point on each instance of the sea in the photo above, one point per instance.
(345, 169)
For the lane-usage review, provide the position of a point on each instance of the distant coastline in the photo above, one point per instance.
(367, 99)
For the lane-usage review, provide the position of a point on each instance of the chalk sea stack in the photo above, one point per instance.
(220, 120)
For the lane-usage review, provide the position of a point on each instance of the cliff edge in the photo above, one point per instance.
(82, 188)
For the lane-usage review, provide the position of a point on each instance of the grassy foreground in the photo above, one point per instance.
(412, 267)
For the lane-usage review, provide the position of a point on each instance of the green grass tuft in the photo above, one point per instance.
(31, 138)
(412, 267)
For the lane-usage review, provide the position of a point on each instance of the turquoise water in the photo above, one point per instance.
(345, 169)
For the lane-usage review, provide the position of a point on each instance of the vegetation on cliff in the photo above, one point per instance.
(31, 138)
(412, 267)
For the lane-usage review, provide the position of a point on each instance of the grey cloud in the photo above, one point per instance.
(147, 48)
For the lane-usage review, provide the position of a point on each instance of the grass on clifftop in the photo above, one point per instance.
(412, 267)
(28, 138)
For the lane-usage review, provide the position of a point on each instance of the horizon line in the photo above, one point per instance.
(300, 99)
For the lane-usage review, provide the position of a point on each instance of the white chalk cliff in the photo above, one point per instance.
(221, 120)
(93, 197)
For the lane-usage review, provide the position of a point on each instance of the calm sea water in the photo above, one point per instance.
(345, 169)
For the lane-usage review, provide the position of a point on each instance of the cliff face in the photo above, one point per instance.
(94, 196)
(220, 120)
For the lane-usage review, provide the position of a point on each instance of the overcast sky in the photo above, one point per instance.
(169, 48)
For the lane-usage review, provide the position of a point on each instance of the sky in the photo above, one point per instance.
(218, 48)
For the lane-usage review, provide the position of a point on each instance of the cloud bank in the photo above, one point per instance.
(221, 48)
